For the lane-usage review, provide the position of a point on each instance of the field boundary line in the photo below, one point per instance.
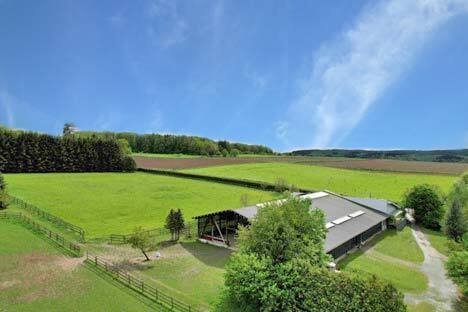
(264, 186)
(152, 293)
(47, 216)
(26, 221)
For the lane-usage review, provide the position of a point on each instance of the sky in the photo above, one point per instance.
(287, 74)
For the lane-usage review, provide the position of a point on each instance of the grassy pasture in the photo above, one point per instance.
(35, 277)
(386, 185)
(399, 244)
(105, 203)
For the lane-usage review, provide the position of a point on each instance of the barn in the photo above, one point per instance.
(350, 221)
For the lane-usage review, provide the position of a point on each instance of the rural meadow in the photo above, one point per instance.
(234, 156)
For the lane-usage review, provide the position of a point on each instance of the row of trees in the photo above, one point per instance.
(178, 144)
(22, 151)
(281, 266)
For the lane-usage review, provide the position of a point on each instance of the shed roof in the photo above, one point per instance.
(382, 205)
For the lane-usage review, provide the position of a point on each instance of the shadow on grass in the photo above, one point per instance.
(210, 255)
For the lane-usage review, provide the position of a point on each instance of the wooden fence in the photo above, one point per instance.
(190, 229)
(75, 249)
(47, 216)
(167, 302)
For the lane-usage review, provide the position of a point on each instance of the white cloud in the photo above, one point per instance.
(168, 27)
(350, 73)
(7, 102)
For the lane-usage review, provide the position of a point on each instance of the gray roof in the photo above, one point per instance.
(248, 212)
(382, 205)
(336, 207)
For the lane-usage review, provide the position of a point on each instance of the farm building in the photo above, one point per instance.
(350, 221)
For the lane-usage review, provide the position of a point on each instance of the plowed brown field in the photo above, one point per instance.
(346, 163)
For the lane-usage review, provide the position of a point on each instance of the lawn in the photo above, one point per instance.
(404, 278)
(399, 244)
(35, 277)
(105, 203)
(438, 240)
(190, 271)
(388, 185)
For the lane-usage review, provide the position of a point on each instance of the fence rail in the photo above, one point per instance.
(47, 216)
(189, 229)
(168, 302)
(57, 238)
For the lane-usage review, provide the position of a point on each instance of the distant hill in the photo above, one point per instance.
(456, 155)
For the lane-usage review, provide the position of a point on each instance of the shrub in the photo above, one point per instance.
(3, 193)
(427, 205)
(128, 164)
(281, 185)
(124, 147)
(457, 267)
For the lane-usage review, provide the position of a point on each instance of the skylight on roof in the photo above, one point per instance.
(341, 220)
(315, 195)
(329, 225)
(356, 214)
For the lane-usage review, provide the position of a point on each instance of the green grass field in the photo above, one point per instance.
(404, 278)
(105, 203)
(399, 244)
(35, 277)
(190, 271)
(386, 185)
(438, 240)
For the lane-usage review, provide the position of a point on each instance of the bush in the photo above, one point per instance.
(427, 205)
(128, 164)
(3, 193)
(457, 267)
(455, 225)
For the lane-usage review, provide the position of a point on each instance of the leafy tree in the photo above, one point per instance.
(455, 225)
(68, 128)
(457, 268)
(224, 152)
(279, 266)
(3, 193)
(285, 231)
(141, 240)
(124, 147)
(427, 205)
(235, 152)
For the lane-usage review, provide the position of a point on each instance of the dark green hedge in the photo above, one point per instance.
(33, 152)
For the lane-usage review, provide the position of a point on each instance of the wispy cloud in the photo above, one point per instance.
(167, 27)
(351, 72)
(256, 79)
(7, 102)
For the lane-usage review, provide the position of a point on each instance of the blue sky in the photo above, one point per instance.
(297, 74)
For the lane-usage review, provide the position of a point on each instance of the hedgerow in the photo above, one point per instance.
(22, 151)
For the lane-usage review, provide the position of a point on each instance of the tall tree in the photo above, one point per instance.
(427, 204)
(179, 223)
(455, 225)
(171, 223)
(68, 128)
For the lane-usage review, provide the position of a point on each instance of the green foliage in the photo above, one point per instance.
(3, 193)
(176, 144)
(280, 263)
(33, 152)
(455, 225)
(235, 152)
(141, 240)
(457, 267)
(128, 164)
(459, 193)
(224, 152)
(256, 284)
(282, 232)
(175, 223)
(427, 205)
(125, 148)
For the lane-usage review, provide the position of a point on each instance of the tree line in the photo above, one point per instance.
(22, 151)
(178, 144)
